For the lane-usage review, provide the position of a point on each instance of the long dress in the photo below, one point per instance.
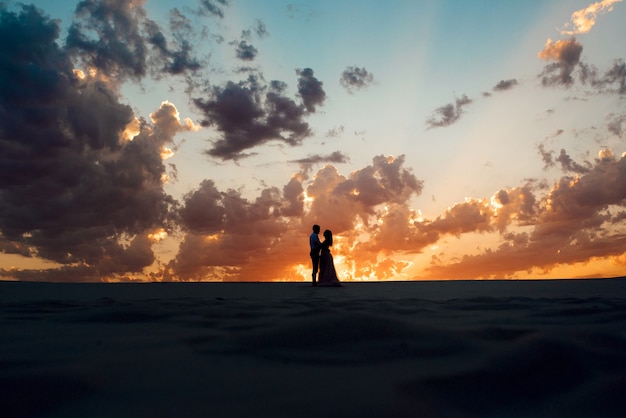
(328, 274)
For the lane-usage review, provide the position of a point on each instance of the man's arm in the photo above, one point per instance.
(315, 243)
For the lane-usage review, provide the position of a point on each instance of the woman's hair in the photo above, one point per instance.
(328, 236)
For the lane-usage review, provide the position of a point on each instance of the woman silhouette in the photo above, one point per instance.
(328, 275)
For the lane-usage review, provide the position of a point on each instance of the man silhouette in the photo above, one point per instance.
(316, 246)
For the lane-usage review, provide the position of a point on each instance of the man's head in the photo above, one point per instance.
(316, 229)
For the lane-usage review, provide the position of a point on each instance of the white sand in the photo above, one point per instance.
(432, 349)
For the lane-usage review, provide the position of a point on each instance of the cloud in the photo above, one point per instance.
(574, 222)
(213, 7)
(336, 157)
(614, 124)
(568, 165)
(245, 51)
(107, 33)
(250, 113)
(262, 238)
(335, 132)
(227, 234)
(355, 78)
(118, 39)
(81, 177)
(448, 114)
(584, 19)
(259, 29)
(310, 89)
(505, 85)
(177, 60)
(546, 156)
(615, 75)
(566, 53)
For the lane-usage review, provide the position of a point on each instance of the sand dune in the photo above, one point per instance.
(418, 349)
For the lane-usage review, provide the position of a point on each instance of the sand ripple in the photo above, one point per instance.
(403, 350)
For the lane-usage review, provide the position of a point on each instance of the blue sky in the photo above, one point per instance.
(437, 139)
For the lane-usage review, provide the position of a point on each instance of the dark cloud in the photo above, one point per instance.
(230, 234)
(336, 157)
(617, 75)
(245, 51)
(355, 78)
(250, 113)
(117, 38)
(546, 156)
(310, 89)
(505, 85)
(569, 165)
(448, 114)
(213, 7)
(202, 210)
(612, 81)
(107, 34)
(566, 53)
(614, 124)
(12, 247)
(75, 188)
(171, 61)
(385, 181)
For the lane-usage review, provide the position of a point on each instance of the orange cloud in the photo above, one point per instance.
(566, 53)
(567, 50)
(378, 233)
(579, 220)
(584, 19)
(265, 239)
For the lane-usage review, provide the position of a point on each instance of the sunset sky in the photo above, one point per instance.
(200, 139)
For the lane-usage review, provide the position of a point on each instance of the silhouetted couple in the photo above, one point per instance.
(322, 258)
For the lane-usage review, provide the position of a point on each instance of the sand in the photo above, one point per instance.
(401, 349)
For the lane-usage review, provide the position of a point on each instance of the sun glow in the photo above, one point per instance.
(167, 153)
(213, 237)
(495, 204)
(158, 235)
(304, 271)
(132, 129)
(80, 74)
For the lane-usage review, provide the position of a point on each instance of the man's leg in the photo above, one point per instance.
(316, 263)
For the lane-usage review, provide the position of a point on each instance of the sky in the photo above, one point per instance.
(200, 140)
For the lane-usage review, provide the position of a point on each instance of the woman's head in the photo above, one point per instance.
(328, 236)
